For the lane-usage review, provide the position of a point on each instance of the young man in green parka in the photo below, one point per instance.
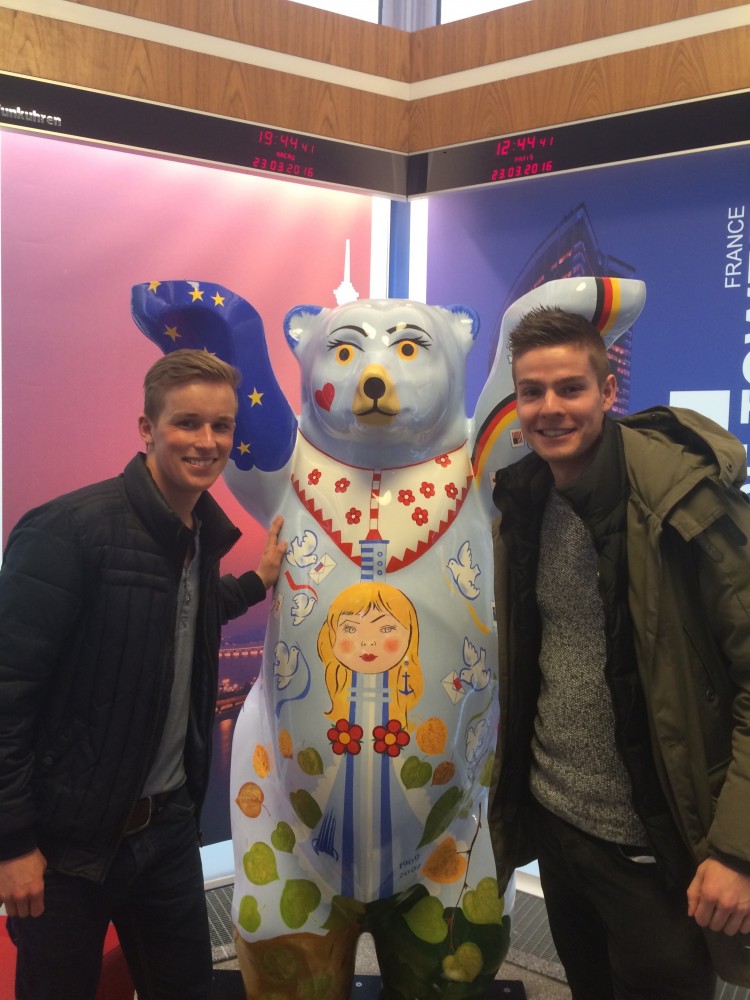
(623, 597)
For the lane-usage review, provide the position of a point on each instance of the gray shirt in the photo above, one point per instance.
(168, 770)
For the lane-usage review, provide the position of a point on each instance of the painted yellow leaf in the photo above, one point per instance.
(432, 736)
(286, 747)
(445, 864)
(261, 762)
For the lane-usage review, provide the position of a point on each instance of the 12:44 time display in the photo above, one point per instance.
(523, 156)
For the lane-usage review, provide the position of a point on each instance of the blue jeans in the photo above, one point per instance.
(620, 931)
(153, 894)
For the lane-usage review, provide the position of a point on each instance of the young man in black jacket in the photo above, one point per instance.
(111, 607)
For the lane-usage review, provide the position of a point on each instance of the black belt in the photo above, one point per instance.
(144, 812)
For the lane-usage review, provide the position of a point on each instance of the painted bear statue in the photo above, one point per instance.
(363, 756)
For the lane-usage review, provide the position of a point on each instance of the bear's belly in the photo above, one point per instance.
(364, 775)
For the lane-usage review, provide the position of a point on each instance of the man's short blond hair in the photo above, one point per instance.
(178, 368)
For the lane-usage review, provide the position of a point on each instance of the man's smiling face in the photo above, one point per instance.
(561, 406)
(188, 444)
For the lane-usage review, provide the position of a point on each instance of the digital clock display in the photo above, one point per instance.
(713, 121)
(38, 105)
(284, 153)
(506, 158)
(524, 156)
(129, 122)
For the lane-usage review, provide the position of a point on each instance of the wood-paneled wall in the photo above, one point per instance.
(304, 99)
(282, 26)
(685, 70)
(101, 60)
(539, 26)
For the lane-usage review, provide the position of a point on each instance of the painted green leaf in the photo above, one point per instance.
(310, 761)
(317, 987)
(415, 773)
(441, 815)
(249, 917)
(425, 920)
(299, 898)
(485, 777)
(465, 965)
(280, 963)
(483, 905)
(306, 808)
(344, 911)
(260, 864)
(283, 838)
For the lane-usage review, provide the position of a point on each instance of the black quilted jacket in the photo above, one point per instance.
(88, 594)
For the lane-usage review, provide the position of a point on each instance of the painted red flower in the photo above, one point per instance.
(342, 485)
(353, 516)
(451, 490)
(420, 515)
(314, 477)
(444, 460)
(390, 738)
(406, 497)
(345, 737)
(427, 490)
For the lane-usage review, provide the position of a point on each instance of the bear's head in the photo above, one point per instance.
(383, 380)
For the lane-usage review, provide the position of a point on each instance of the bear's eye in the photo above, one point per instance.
(407, 350)
(344, 354)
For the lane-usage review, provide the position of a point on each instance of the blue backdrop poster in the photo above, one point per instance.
(679, 223)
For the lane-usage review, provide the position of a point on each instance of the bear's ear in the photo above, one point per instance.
(468, 319)
(297, 323)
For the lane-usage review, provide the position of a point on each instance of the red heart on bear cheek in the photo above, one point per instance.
(324, 396)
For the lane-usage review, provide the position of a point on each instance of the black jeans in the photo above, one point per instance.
(154, 896)
(620, 932)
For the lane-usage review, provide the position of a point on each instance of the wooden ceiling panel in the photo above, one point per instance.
(281, 26)
(663, 74)
(539, 26)
(118, 64)
(708, 64)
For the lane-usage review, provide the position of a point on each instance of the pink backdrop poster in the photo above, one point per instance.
(80, 225)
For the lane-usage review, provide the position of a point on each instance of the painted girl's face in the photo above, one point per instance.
(371, 642)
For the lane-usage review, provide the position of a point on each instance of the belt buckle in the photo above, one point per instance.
(147, 822)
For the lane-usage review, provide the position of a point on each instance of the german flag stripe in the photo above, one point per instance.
(608, 292)
(497, 420)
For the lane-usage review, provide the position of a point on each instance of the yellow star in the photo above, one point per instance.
(218, 299)
(255, 397)
(153, 285)
(196, 294)
(244, 448)
(171, 331)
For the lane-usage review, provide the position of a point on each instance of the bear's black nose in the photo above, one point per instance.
(374, 388)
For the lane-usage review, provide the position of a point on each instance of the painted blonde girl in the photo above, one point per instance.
(371, 628)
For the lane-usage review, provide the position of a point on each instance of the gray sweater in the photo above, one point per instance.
(576, 771)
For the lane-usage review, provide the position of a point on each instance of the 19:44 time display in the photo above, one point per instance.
(284, 153)
(523, 156)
